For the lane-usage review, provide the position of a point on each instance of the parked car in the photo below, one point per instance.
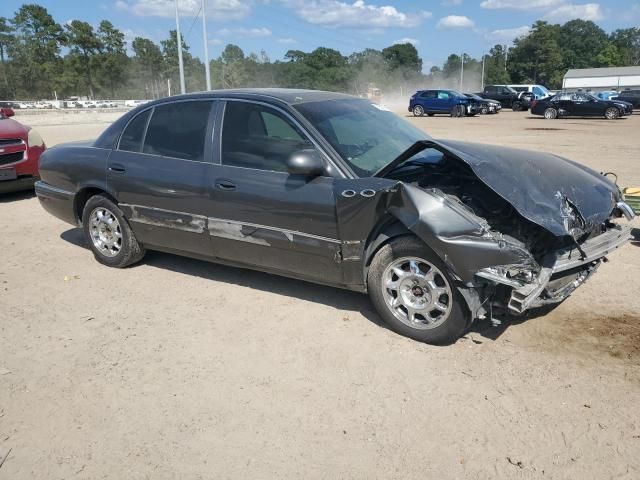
(449, 102)
(6, 109)
(486, 105)
(507, 96)
(86, 104)
(20, 149)
(580, 105)
(535, 91)
(43, 106)
(333, 189)
(134, 103)
(606, 94)
(630, 96)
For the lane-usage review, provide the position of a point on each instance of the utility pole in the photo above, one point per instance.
(461, 70)
(183, 89)
(207, 71)
(506, 55)
(482, 78)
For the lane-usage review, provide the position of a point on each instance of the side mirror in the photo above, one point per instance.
(306, 162)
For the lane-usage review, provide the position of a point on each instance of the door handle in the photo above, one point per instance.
(117, 168)
(225, 185)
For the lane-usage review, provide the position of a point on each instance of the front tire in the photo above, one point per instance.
(411, 289)
(484, 110)
(108, 234)
(611, 113)
(550, 113)
(418, 111)
(516, 106)
(458, 111)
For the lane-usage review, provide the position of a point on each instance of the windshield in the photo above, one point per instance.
(544, 90)
(365, 135)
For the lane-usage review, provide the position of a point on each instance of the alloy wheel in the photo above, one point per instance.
(105, 232)
(417, 293)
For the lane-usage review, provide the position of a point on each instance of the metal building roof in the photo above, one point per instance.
(602, 72)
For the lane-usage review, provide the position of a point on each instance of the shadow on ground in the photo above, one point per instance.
(333, 297)
(17, 196)
(330, 296)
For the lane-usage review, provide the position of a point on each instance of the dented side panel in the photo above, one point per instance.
(462, 240)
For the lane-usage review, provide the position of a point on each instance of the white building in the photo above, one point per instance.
(611, 78)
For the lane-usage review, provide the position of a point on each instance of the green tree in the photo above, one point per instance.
(113, 59)
(149, 63)
(537, 58)
(627, 41)
(580, 41)
(495, 66)
(6, 38)
(403, 57)
(35, 51)
(83, 41)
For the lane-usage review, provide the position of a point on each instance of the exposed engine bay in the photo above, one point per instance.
(547, 278)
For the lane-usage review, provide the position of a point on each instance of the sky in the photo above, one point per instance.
(436, 27)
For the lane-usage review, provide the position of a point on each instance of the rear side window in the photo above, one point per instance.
(178, 130)
(256, 136)
(131, 139)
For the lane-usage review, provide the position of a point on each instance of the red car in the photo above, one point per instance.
(20, 150)
(7, 111)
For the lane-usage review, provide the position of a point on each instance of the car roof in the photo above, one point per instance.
(291, 96)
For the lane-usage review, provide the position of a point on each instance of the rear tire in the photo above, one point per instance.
(516, 106)
(418, 111)
(612, 113)
(108, 233)
(550, 113)
(412, 290)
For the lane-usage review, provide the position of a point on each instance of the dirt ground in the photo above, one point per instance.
(177, 368)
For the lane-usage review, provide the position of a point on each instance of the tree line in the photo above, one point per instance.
(40, 58)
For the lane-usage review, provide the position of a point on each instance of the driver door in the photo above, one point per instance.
(260, 214)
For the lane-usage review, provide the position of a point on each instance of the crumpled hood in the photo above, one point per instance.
(543, 188)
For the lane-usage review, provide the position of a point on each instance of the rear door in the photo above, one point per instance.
(261, 215)
(161, 174)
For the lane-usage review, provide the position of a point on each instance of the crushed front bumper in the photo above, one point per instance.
(565, 270)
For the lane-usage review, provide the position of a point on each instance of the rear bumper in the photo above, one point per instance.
(57, 201)
(566, 270)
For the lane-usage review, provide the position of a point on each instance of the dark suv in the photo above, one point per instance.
(442, 101)
(507, 96)
(631, 96)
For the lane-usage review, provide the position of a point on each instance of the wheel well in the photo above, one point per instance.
(84, 195)
(382, 234)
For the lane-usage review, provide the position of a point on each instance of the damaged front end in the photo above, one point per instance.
(518, 230)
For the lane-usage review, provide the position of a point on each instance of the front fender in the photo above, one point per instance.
(462, 240)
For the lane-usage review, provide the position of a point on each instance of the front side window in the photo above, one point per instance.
(443, 95)
(259, 137)
(428, 94)
(365, 135)
(131, 139)
(178, 130)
